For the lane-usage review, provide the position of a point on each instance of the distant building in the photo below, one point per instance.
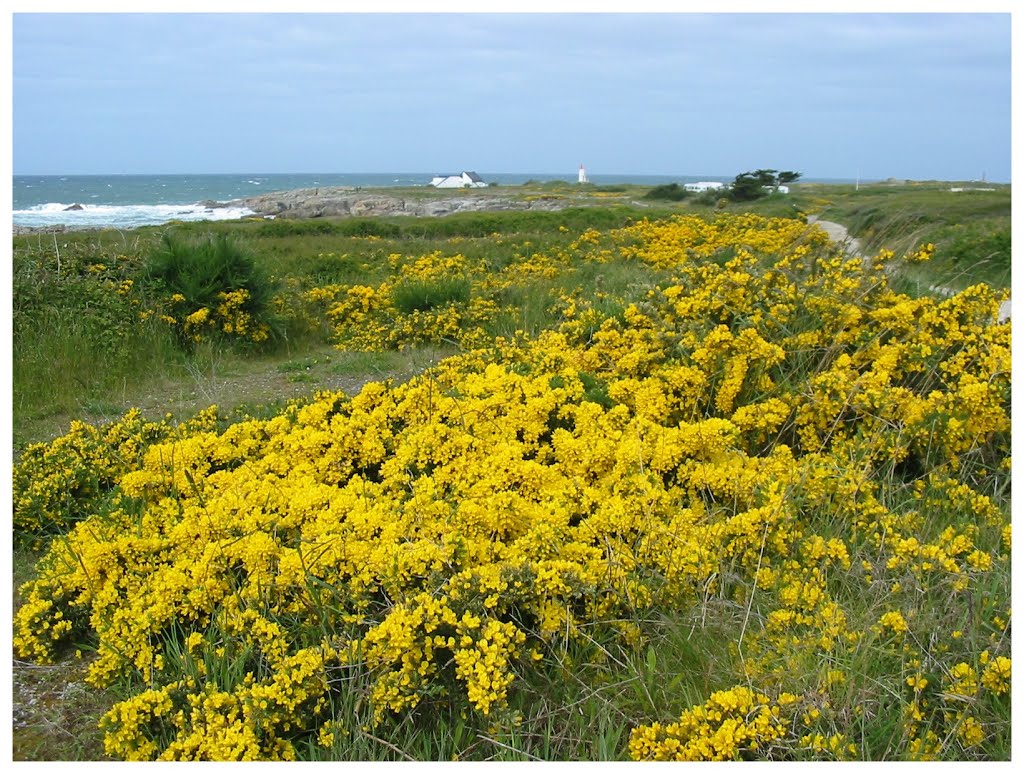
(465, 180)
(704, 185)
(583, 175)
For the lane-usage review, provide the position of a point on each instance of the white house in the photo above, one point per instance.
(704, 185)
(465, 180)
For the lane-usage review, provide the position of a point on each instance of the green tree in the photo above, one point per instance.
(753, 185)
(767, 176)
(747, 186)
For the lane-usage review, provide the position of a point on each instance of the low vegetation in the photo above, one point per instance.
(671, 192)
(970, 227)
(696, 486)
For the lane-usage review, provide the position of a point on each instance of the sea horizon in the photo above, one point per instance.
(129, 199)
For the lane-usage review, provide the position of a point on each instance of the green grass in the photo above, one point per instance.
(66, 358)
(580, 708)
(379, 363)
(424, 295)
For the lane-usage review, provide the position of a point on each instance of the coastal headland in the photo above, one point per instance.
(340, 202)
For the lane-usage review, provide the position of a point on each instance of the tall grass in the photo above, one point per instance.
(76, 333)
(62, 363)
(424, 295)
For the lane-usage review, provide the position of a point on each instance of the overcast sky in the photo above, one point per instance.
(917, 96)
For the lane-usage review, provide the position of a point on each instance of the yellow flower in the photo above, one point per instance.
(996, 675)
(894, 622)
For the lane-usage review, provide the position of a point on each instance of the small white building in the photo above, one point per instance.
(583, 175)
(465, 180)
(704, 185)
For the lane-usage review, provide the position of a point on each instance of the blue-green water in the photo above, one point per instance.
(125, 201)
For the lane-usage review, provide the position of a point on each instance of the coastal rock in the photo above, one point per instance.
(377, 205)
(74, 208)
(300, 203)
(348, 202)
(57, 229)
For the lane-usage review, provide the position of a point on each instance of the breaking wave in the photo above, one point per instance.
(121, 216)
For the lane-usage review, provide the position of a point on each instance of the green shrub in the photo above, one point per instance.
(711, 198)
(364, 227)
(213, 272)
(201, 268)
(422, 296)
(670, 192)
(286, 228)
(327, 268)
(977, 248)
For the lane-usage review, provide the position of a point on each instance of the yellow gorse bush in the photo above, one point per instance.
(227, 318)
(731, 725)
(774, 427)
(58, 483)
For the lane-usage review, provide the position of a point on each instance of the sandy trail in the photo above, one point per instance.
(837, 233)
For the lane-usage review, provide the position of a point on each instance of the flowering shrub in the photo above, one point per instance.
(731, 725)
(209, 288)
(227, 316)
(59, 483)
(772, 427)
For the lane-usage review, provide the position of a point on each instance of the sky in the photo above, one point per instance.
(838, 95)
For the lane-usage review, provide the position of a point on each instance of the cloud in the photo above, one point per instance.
(633, 87)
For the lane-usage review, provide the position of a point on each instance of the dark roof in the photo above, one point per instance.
(474, 177)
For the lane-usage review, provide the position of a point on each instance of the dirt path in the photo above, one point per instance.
(838, 233)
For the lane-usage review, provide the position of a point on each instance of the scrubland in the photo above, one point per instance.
(676, 484)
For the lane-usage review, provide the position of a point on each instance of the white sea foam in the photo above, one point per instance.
(121, 216)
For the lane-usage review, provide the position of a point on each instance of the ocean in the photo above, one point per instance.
(127, 201)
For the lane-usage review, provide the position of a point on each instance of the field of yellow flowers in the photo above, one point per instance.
(764, 448)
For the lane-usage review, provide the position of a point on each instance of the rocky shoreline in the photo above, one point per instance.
(342, 202)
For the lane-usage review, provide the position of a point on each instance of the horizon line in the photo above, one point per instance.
(567, 174)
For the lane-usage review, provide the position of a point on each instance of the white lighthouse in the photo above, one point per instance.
(583, 175)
